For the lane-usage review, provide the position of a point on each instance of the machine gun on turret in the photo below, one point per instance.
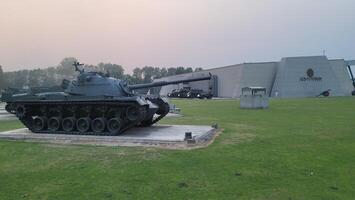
(76, 65)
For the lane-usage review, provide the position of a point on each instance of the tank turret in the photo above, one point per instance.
(97, 83)
(93, 103)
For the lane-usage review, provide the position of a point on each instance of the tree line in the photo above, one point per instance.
(52, 76)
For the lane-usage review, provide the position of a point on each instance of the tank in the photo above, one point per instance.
(189, 93)
(92, 104)
(178, 93)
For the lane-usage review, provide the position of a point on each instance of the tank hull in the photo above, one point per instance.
(66, 114)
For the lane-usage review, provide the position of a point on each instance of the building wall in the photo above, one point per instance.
(228, 79)
(258, 75)
(287, 78)
(198, 84)
(292, 78)
(342, 75)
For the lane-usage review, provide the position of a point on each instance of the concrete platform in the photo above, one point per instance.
(164, 136)
(5, 115)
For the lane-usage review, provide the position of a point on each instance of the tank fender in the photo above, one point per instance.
(141, 101)
(163, 105)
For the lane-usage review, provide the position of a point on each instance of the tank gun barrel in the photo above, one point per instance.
(162, 83)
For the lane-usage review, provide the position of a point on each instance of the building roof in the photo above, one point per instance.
(249, 63)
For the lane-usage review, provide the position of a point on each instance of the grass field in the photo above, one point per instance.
(6, 125)
(297, 149)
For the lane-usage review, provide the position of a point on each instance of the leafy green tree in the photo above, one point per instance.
(148, 74)
(171, 71)
(54, 75)
(17, 79)
(114, 70)
(66, 66)
(2, 80)
(198, 69)
(188, 70)
(163, 72)
(137, 76)
(36, 78)
(49, 77)
(180, 70)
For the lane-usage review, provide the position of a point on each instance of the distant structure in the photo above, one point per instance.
(291, 77)
(254, 98)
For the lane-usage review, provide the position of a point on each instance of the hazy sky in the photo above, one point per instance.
(167, 33)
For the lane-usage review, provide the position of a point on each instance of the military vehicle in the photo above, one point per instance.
(94, 103)
(187, 92)
(196, 93)
(178, 93)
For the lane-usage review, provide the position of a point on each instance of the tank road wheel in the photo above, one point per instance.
(114, 126)
(10, 108)
(39, 123)
(20, 111)
(69, 123)
(132, 113)
(83, 124)
(98, 124)
(54, 124)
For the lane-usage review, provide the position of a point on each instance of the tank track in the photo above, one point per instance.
(129, 114)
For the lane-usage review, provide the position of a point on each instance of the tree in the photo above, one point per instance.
(188, 70)
(198, 69)
(163, 72)
(171, 71)
(2, 80)
(54, 75)
(66, 66)
(17, 79)
(114, 70)
(148, 74)
(36, 78)
(180, 70)
(49, 77)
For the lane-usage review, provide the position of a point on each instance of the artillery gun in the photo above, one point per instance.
(93, 104)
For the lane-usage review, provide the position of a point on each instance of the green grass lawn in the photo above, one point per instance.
(297, 149)
(6, 125)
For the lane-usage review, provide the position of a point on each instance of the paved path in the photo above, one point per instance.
(169, 136)
(5, 115)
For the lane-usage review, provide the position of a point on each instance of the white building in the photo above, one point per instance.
(290, 77)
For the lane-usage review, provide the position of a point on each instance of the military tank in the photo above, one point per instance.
(189, 93)
(92, 104)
